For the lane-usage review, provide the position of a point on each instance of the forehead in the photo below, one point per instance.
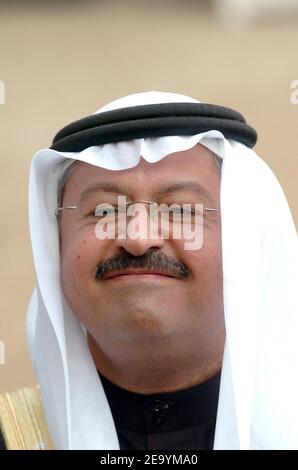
(194, 165)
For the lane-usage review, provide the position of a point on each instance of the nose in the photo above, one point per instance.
(141, 235)
(139, 246)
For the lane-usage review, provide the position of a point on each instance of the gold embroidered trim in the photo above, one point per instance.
(22, 420)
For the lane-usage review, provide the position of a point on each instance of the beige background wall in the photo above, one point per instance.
(62, 61)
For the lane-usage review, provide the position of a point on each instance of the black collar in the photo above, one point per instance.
(163, 411)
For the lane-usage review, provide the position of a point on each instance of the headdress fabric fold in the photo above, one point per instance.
(259, 385)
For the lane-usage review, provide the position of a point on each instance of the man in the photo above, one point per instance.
(142, 339)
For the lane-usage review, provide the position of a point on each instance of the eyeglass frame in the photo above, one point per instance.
(127, 204)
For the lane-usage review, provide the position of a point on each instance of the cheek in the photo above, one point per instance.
(79, 259)
(207, 268)
(207, 287)
(206, 264)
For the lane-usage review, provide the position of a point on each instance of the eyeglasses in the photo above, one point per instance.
(111, 221)
(164, 209)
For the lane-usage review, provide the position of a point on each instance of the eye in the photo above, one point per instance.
(184, 211)
(188, 211)
(176, 210)
(103, 210)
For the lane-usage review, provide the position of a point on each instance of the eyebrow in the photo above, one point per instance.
(190, 186)
(101, 187)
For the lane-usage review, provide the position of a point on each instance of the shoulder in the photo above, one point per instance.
(22, 420)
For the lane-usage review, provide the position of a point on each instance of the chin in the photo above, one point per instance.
(146, 323)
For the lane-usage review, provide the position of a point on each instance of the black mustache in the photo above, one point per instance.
(151, 260)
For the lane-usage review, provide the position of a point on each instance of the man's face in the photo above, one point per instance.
(144, 309)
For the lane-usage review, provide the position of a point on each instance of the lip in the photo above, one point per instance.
(139, 275)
